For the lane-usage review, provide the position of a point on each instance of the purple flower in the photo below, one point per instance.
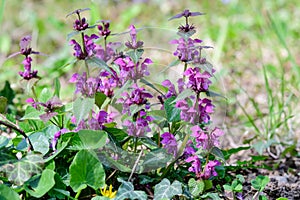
(104, 28)
(140, 126)
(106, 85)
(171, 92)
(56, 137)
(188, 113)
(204, 139)
(138, 96)
(80, 24)
(85, 86)
(133, 44)
(186, 49)
(28, 74)
(205, 109)
(107, 53)
(189, 149)
(186, 14)
(130, 70)
(96, 122)
(89, 47)
(170, 143)
(196, 164)
(197, 81)
(209, 169)
(50, 107)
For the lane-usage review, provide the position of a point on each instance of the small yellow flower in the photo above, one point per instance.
(108, 193)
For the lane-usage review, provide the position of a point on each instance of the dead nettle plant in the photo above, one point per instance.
(117, 131)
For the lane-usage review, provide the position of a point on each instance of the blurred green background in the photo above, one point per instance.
(247, 36)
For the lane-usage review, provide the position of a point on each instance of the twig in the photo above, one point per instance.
(12, 126)
(135, 164)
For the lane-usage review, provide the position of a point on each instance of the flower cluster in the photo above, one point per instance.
(96, 122)
(197, 107)
(140, 125)
(130, 70)
(138, 96)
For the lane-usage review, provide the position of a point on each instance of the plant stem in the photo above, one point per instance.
(78, 194)
(14, 127)
(135, 144)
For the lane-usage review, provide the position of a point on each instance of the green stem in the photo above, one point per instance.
(87, 69)
(78, 194)
(135, 144)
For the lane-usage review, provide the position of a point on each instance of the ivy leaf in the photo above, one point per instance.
(126, 191)
(45, 183)
(213, 196)
(172, 113)
(166, 190)
(24, 169)
(196, 187)
(3, 141)
(88, 139)
(86, 170)
(7, 193)
(39, 142)
(81, 107)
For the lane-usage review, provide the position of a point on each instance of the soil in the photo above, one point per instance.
(284, 175)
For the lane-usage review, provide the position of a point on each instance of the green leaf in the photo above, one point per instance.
(262, 197)
(99, 99)
(3, 104)
(126, 190)
(172, 113)
(260, 182)
(39, 142)
(185, 94)
(72, 34)
(57, 87)
(100, 63)
(7, 193)
(151, 85)
(86, 170)
(228, 153)
(259, 146)
(214, 94)
(81, 107)
(88, 139)
(100, 198)
(213, 196)
(207, 66)
(218, 153)
(166, 190)
(155, 159)
(282, 198)
(135, 55)
(60, 147)
(22, 170)
(45, 95)
(238, 188)
(8, 93)
(45, 183)
(3, 141)
(196, 187)
(32, 113)
(227, 187)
